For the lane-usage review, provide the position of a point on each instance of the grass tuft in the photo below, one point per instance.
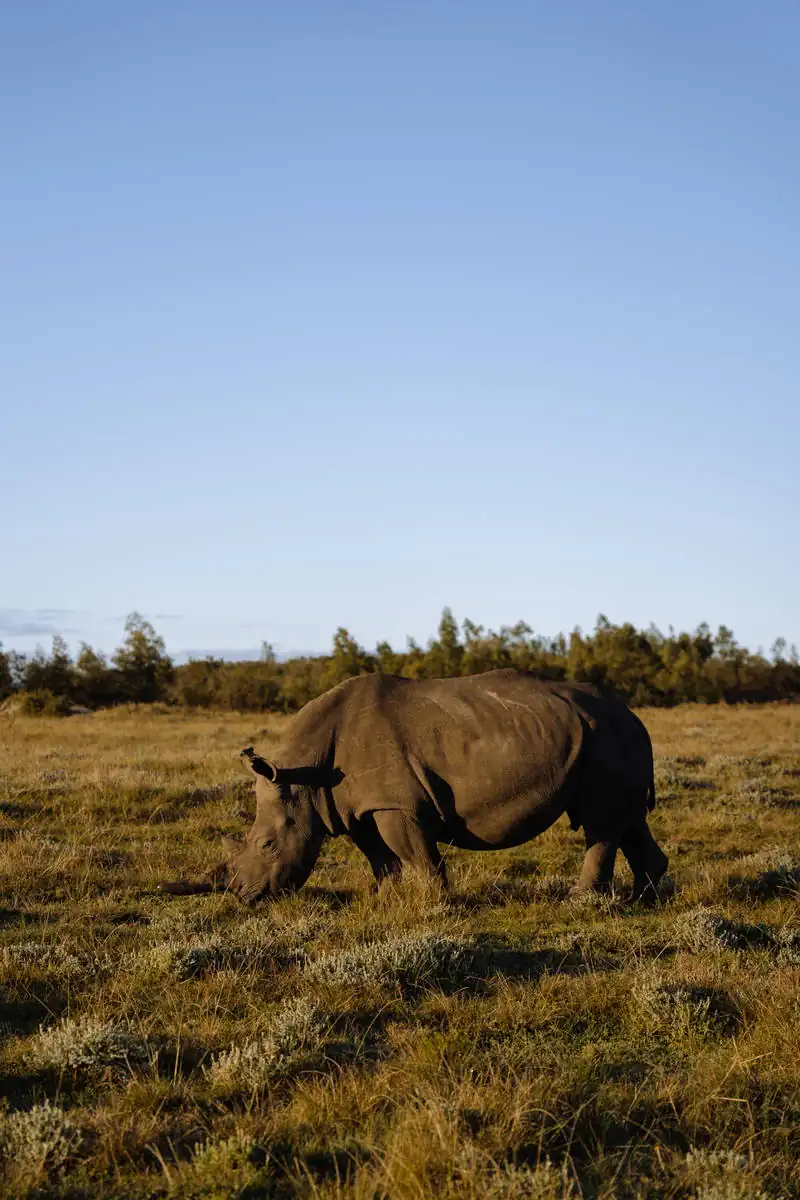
(722, 1175)
(84, 1044)
(295, 1040)
(777, 873)
(412, 961)
(704, 929)
(688, 1007)
(35, 1143)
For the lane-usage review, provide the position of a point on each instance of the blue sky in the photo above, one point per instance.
(316, 314)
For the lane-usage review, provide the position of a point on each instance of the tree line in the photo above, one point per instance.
(140, 671)
(643, 667)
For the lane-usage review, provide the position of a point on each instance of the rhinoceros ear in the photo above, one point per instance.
(258, 765)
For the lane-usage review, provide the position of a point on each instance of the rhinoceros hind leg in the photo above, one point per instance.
(412, 845)
(647, 861)
(597, 873)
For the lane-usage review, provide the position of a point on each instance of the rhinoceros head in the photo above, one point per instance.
(294, 812)
(287, 834)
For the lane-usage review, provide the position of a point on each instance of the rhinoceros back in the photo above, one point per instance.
(495, 755)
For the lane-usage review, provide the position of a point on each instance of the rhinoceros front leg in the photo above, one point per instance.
(383, 861)
(412, 845)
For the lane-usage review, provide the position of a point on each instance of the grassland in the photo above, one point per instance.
(502, 1041)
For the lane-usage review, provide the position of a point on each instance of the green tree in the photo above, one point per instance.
(616, 659)
(445, 654)
(250, 686)
(54, 673)
(145, 669)
(17, 665)
(785, 673)
(477, 656)
(730, 658)
(778, 651)
(197, 683)
(387, 661)
(301, 680)
(97, 684)
(6, 679)
(414, 660)
(348, 659)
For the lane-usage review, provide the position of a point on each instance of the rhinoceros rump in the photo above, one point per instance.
(483, 762)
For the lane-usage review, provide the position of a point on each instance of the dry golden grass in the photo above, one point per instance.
(498, 1042)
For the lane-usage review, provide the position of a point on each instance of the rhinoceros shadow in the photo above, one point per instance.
(334, 898)
(495, 957)
(14, 810)
(18, 916)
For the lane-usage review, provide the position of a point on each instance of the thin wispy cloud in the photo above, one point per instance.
(39, 622)
(120, 619)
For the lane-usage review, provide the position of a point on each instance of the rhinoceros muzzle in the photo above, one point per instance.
(251, 895)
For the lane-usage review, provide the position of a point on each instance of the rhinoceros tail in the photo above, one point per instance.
(651, 789)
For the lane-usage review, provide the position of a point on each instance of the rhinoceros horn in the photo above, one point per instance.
(215, 881)
(185, 887)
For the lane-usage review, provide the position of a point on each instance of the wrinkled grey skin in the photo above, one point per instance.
(484, 762)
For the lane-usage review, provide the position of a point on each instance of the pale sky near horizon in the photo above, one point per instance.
(318, 314)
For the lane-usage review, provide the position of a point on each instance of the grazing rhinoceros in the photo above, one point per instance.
(483, 763)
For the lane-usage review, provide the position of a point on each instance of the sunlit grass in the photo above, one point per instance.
(497, 1041)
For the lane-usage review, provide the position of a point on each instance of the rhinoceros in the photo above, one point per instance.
(484, 762)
